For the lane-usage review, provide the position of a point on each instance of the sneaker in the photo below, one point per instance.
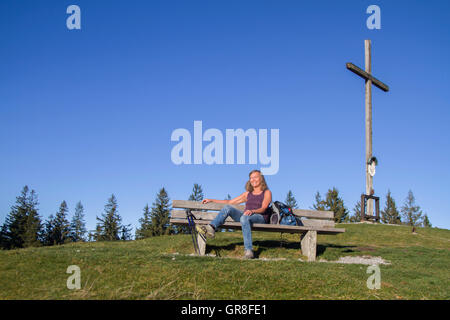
(206, 230)
(249, 254)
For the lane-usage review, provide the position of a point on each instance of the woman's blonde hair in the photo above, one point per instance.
(248, 185)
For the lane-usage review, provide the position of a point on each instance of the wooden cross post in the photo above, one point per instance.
(369, 79)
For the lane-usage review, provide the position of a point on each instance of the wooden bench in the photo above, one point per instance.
(317, 222)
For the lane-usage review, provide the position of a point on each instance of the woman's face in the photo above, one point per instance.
(255, 179)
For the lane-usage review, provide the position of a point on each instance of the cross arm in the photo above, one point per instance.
(367, 76)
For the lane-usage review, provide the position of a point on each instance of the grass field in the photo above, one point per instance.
(163, 267)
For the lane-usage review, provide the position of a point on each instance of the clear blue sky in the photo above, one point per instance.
(87, 113)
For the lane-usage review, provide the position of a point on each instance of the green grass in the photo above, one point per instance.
(163, 267)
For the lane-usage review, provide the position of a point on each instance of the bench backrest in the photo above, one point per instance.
(209, 212)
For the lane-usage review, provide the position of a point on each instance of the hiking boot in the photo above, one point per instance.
(249, 254)
(206, 230)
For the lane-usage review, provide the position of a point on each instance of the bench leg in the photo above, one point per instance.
(201, 244)
(308, 243)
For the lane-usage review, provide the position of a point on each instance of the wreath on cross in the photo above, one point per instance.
(373, 160)
(371, 165)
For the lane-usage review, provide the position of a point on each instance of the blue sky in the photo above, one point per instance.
(87, 113)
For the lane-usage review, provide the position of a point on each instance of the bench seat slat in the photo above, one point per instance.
(267, 227)
(195, 205)
(199, 215)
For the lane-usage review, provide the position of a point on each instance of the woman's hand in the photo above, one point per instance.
(204, 201)
(248, 212)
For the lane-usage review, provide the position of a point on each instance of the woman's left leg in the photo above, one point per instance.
(247, 222)
(227, 211)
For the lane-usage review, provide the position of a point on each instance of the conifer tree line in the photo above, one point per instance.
(409, 214)
(24, 227)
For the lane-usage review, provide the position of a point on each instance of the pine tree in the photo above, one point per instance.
(160, 215)
(48, 234)
(411, 214)
(390, 213)
(145, 229)
(23, 227)
(197, 193)
(290, 200)
(356, 217)
(14, 226)
(333, 203)
(336, 204)
(3, 237)
(426, 222)
(78, 225)
(319, 204)
(33, 227)
(109, 226)
(125, 233)
(62, 225)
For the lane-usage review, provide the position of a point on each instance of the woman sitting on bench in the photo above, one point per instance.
(257, 198)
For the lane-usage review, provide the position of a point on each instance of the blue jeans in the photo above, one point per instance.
(238, 216)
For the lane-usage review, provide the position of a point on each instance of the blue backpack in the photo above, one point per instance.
(282, 214)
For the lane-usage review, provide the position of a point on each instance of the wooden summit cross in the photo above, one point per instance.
(369, 79)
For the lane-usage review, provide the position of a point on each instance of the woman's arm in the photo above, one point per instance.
(266, 201)
(239, 199)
